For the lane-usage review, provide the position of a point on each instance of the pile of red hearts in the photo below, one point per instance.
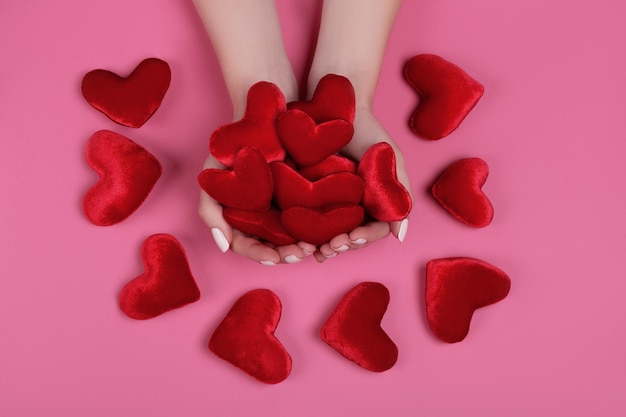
(285, 180)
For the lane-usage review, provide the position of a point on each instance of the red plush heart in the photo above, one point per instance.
(333, 99)
(447, 95)
(127, 174)
(319, 226)
(459, 191)
(353, 328)
(455, 287)
(129, 101)
(309, 143)
(292, 189)
(329, 165)
(264, 224)
(245, 337)
(385, 198)
(248, 186)
(166, 284)
(257, 128)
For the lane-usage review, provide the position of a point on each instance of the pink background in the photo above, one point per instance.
(550, 126)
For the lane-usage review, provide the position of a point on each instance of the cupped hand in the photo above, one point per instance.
(249, 247)
(367, 132)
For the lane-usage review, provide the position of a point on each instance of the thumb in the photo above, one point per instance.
(211, 212)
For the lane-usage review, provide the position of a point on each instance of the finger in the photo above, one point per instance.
(327, 251)
(308, 248)
(290, 254)
(399, 229)
(341, 243)
(210, 212)
(369, 233)
(251, 248)
(319, 257)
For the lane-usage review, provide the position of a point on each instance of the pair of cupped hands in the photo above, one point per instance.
(367, 132)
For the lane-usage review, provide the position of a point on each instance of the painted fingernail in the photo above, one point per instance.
(402, 231)
(267, 263)
(332, 255)
(360, 241)
(342, 248)
(292, 259)
(220, 239)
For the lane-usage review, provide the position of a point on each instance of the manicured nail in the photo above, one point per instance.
(402, 231)
(220, 239)
(331, 255)
(306, 252)
(360, 241)
(292, 259)
(342, 248)
(267, 263)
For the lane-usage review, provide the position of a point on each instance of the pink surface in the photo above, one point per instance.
(550, 126)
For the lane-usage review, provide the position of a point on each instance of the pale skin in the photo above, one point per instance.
(247, 40)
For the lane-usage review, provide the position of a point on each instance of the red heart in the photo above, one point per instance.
(129, 101)
(385, 198)
(455, 287)
(256, 129)
(264, 224)
(330, 165)
(447, 95)
(318, 227)
(166, 284)
(245, 337)
(353, 328)
(309, 143)
(459, 191)
(248, 186)
(127, 175)
(333, 99)
(292, 189)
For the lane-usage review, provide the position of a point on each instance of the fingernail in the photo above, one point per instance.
(292, 259)
(267, 263)
(220, 239)
(331, 255)
(342, 248)
(402, 231)
(360, 241)
(306, 252)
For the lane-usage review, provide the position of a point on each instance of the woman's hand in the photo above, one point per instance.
(367, 132)
(228, 238)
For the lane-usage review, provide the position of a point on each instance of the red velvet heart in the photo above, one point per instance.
(333, 99)
(127, 175)
(353, 328)
(319, 226)
(455, 287)
(256, 129)
(459, 191)
(309, 143)
(292, 189)
(264, 224)
(447, 95)
(385, 198)
(128, 101)
(166, 284)
(248, 186)
(330, 165)
(245, 337)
